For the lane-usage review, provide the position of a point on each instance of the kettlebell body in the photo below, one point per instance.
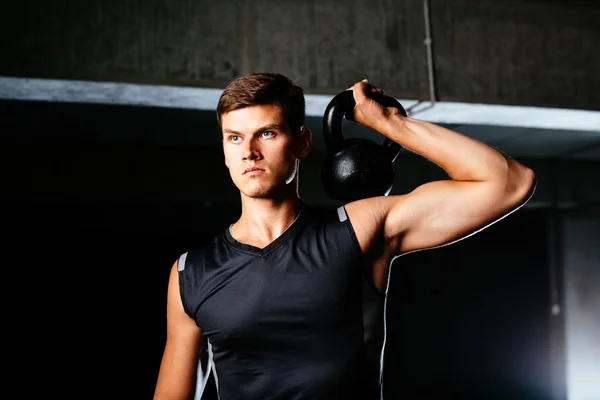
(356, 168)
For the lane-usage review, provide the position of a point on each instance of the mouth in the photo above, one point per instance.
(252, 171)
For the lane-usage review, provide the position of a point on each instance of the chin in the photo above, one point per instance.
(269, 192)
(257, 194)
(257, 191)
(261, 195)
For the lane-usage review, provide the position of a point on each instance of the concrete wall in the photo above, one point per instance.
(528, 52)
(522, 52)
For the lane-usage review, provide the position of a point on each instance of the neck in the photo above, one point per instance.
(264, 220)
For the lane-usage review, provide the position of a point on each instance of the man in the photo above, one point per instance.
(276, 297)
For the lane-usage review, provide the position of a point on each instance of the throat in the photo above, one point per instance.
(256, 236)
(257, 242)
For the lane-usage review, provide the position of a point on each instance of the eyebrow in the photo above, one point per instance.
(274, 126)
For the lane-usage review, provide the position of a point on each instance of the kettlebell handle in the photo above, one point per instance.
(342, 105)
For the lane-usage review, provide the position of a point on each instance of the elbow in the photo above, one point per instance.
(528, 184)
(521, 185)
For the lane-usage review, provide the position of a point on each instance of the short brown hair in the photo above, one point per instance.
(265, 88)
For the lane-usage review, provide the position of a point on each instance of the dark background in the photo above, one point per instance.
(94, 224)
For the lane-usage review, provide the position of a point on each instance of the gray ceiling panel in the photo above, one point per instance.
(548, 143)
(517, 131)
(489, 134)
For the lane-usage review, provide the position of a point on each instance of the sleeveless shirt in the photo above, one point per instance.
(284, 321)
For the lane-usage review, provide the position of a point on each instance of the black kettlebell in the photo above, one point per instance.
(356, 168)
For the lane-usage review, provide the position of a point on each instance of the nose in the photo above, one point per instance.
(250, 151)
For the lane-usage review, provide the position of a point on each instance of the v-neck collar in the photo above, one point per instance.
(291, 230)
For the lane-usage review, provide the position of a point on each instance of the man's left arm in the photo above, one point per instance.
(485, 185)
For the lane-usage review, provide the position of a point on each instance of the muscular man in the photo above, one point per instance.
(276, 298)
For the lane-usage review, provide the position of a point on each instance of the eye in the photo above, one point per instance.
(268, 134)
(235, 138)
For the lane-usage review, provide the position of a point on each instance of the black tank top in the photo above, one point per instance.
(284, 321)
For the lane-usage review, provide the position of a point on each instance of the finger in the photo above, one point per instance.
(374, 89)
(361, 83)
(360, 91)
(367, 87)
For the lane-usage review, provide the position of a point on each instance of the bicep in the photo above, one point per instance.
(183, 345)
(441, 212)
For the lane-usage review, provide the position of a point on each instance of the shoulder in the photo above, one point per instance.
(328, 219)
(325, 226)
(368, 217)
(188, 274)
(327, 213)
(196, 253)
(190, 266)
(190, 257)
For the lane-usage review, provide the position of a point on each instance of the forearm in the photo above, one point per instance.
(175, 382)
(463, 158)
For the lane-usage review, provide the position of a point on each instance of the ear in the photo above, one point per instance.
(304, 143)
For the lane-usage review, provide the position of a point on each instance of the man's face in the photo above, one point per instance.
(260, 151)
